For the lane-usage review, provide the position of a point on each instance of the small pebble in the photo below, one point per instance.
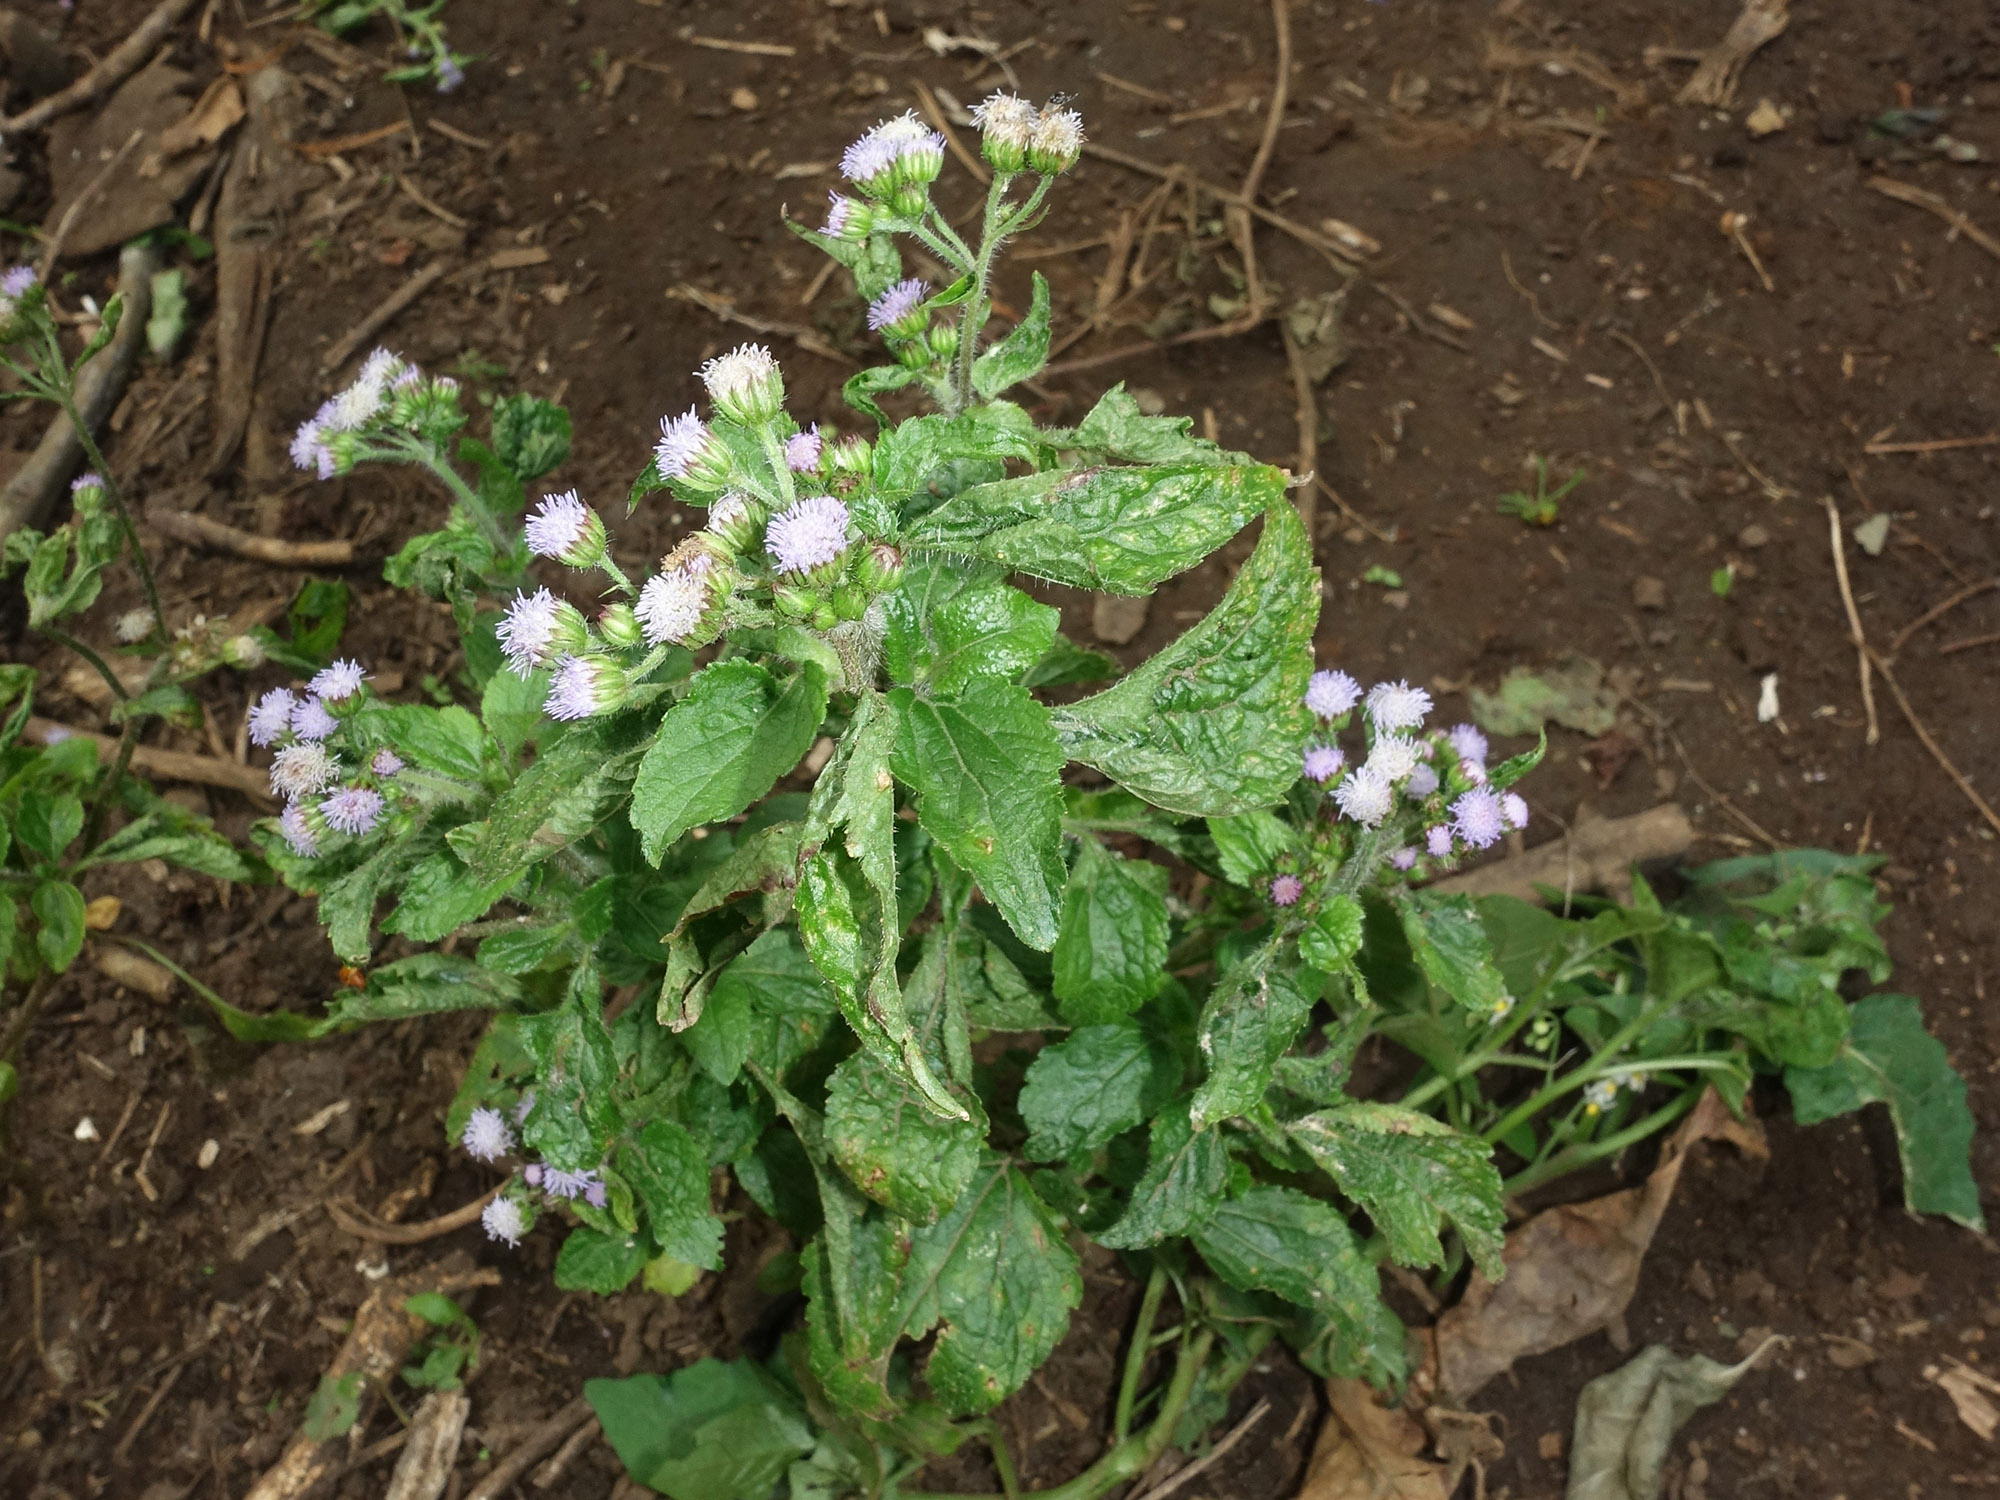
(1751, 537)
(743, 99)
(210, 1149)
(1649, 593)
(86, 1129)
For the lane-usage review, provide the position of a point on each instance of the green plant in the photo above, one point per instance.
(1543, 507)
(418, 27)
(64, 811)
(448, 1351)
(947, 1008)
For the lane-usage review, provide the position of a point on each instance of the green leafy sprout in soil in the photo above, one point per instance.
(958, 1007)
(1544, 506)
(419, 28)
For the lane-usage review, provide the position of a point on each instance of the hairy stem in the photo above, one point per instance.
(95, 457)
(974, 317)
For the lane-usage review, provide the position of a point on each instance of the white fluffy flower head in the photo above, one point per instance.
(302, 769)
(340, 681)
(486, 1136)
(504, 1220)
(810, 532)
(745, 384)
(528, 629)
(1366, 797)
(272, 716)
(671, 605)
(1395, 706)
(1394, 756)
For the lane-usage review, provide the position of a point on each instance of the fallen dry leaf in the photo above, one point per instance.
(1368, 1452)
(1572, 1269)
(1970, 1391)
(1626, 1420)
(217, 112)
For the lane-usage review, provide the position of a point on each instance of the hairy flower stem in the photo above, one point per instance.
(1575, 1158)
(974, 317)
(489, 524)
(95, 457)
(1570, 1082)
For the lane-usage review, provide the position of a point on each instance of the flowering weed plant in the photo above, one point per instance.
(1006, 973)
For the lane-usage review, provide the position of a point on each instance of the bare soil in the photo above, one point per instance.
(165, 1322)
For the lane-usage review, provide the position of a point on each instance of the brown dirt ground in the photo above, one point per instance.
(641, 162)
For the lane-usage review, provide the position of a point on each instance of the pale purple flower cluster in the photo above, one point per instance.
(313, 720)
(339, 682)
(584, 686)
(1404, 859)
(352, 810)
(1286, 890)
(745, 383)
(1366, 796)
(1395, 706)
(1330, 694)
(685, 442)
(904, 146)
(527, 630)
(808, 533)
(1467, 743)
(297, 832)
(1478, 817)
(88, 480)
(386, 762)
(563, 527)
(486, 1135)
(1323, 763)
(304, 767)
(898, 304)
(17, 282)
(1423, 781)
(271, 716)
(352, 409)
(672, 604)
(1437, 841)
(504, 1220)
(802, 450)
(449, 74)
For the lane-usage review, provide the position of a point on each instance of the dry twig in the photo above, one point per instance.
(1715, 77)
(1855, 633)
(538, 1442)
(1593, 855)
(1214, 1455)
(1967, 644)
(1308, 418)
(350, 1218)
(1937, 611)
(343, 349)
(165, 765)
(1937, 752)
(1934, 445)
(199, 531)
(1930, 202)
(806, 338)
(118, 65)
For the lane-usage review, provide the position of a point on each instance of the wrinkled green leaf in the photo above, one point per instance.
(892, 1144)
(425, 984)
(1450, 945)
(530, 435)
(709, 1431)
(1216, 723)
(1111, 952)
(58, 907)
(948, 625)
(1098, 1082)
(669, 1172)
(1251, 1018)
(592, 1260)
(1186, 1178)
(1021, 355)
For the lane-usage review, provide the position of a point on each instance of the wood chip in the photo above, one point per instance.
(518, 258)
(753, 49)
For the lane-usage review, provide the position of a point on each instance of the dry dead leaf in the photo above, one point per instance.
(1368, 1452)
(1572, 1269)
(217, 112)
(1464, 1440)
(1970, 1391)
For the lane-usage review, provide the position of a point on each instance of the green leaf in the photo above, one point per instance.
(439, 896)
(1450, 945)
(511, 707)
(911, 459)
(1021, 355)
(1251, 1017)
(58, 906)
(334, 1407)
(1066, 664)
(578, 775)
(425, 984)
(1120, 531)
(1186, 1179)
(709, 1431)
(576, 1111)
(530, 435)
(985, 769)
(949, 624)
(1097, 1083)
(861, 388)
(1278, 1240)
(592, 1261)
(1111, 952)
(1890, 1059)
(1249, 845)
(47, 821)
(445, 740)
(669, 1172)
(787, 1008)
(1333, 939)
(1408, 1171)
(1116, 428)
(892, 1145)
(1216, 723)
(724, 746)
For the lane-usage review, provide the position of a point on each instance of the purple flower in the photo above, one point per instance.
(527, 630)
(1423, 781)
(594, 1192)
(309, 450)
(311, 721)
(685, 444)
(583, 686)
(1514, 808)
(301, 770)
(523, 1106)
(86, 481)
(1366, 797)
(1405, 858)
(1473, 771)
(560, 526)
(272, 716)
(810, 532)
(341, 680)
(386, 762)
(532, 1174)
(449, 74)
(1467, 742)
(297, 831)
(486, 1135)
(1286, 890)
(902, 142)
(1478, 818)
(845, 217)
(802, 450)
(1323, 763)
(868, 159)
(560, 1184)
(1331, 694)
(17, 282)
(671, 605)
(1437, 841)
(504, 1221)
(899, 305)
(353, 810)
(1397, 705)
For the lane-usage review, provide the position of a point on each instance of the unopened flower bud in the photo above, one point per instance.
(620, 627)
(900, 311)
(1057, 141)
(745, 384)
(736, 520)
(853, 456)
(243, 652)
(1006, 125)
(793, 601)
(942, 340)
(850, 601)
(847, 219)
(585, 686)
(880, 568)
(823, 616)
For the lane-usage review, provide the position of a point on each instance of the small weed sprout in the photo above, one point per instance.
(1542, 508)
(431, 57)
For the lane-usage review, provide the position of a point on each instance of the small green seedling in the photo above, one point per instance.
(1543, 507)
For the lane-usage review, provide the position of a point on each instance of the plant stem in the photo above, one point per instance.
(1569, 1083)
(1135, 1357)
(128, 739)
(974, 318)
(95, 457)
(1134, 1455)
(63, 637)
(1575, 1158)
